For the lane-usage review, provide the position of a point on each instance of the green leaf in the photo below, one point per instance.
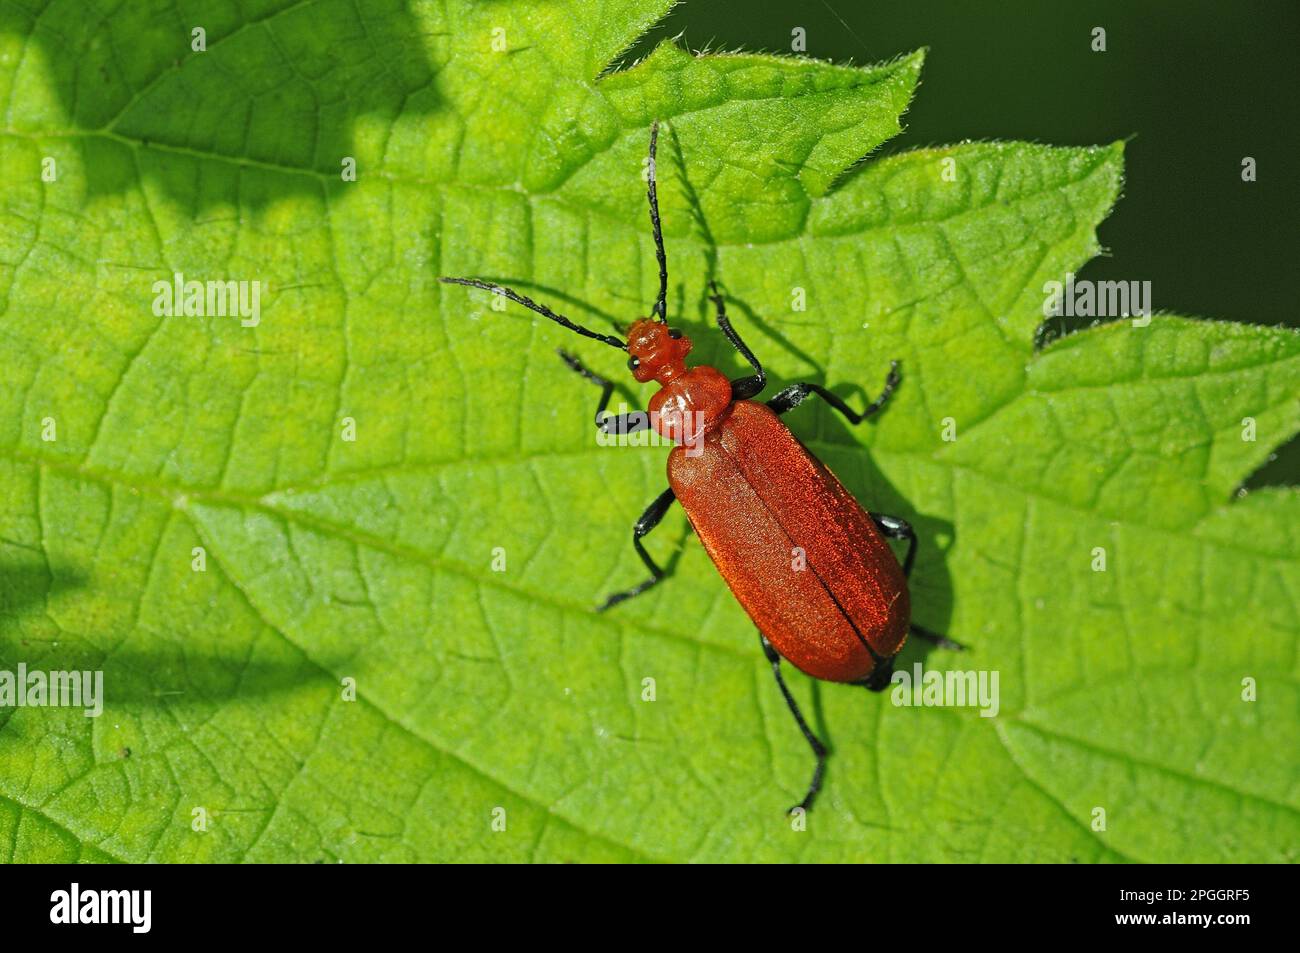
(371, 559)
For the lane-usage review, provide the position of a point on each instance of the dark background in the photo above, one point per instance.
(1194, 86)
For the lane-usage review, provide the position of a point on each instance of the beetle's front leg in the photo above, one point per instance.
(605, 422)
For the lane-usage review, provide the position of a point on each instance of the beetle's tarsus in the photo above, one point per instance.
(616, 597)
(814, 786)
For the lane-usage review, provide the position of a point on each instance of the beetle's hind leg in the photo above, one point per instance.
(795, 394)
(818, 749)
(648, 521)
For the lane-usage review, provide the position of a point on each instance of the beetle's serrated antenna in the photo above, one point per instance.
(661, 303)
(541, 309)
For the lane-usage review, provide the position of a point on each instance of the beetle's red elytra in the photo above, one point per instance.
(800, 554)
(809, 565)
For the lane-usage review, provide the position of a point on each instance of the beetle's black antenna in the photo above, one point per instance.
(541, 309)
(661, 303)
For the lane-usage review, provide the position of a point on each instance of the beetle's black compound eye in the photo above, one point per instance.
(675, 334)
(633, 363)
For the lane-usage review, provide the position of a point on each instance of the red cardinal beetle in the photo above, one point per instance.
(804, 559)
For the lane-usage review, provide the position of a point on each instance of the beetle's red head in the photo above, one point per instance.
(657, 352)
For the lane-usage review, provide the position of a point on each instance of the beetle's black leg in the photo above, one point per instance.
(626, 423)
(818, 749)
(794, 395)
(648, 521)
(742, 388)
(895, 527)
(606, 423)
(652, 193)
